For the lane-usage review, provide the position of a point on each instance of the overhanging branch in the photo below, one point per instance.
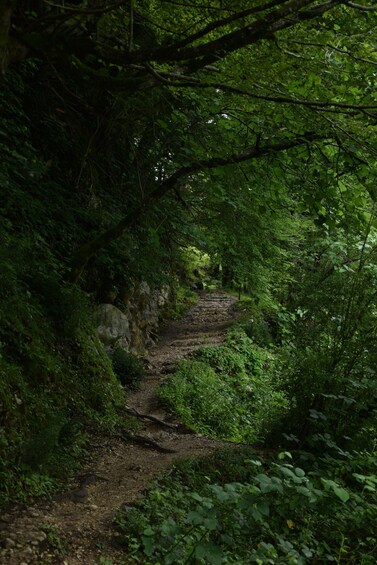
(88, 11)
(288, 15)
(187, 81)
(361, 7)
(89, 250)
(226, 21)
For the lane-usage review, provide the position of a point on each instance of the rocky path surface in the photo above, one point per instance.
(76, 528)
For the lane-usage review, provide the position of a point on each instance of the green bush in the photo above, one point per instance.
(230, 392)
(182, 299)
(201, 400)
(240, 508)
(128, 368)
(259, 331)
(54, 200)
(53, 372)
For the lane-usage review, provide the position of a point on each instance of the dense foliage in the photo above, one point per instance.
(240, 380)
(312, 498)
(128, 368)
(229, 143)
(249, 508)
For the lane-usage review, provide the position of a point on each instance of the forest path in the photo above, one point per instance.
(85, 530)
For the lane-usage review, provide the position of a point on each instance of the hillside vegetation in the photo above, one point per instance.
(209, 144)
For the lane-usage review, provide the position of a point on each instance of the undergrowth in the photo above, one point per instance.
(230, 392)
(181, 300)
(240, 507)
(56, 381)
(55, 377)
(128, 368)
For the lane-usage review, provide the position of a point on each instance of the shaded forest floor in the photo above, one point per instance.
(76, 528)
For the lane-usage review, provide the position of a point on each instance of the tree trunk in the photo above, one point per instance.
(5, 17)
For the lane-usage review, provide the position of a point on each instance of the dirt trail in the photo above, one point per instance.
(85, 529)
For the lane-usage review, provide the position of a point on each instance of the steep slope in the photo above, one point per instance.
(116, 472)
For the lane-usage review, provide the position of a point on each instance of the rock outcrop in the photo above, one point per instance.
(134, 326)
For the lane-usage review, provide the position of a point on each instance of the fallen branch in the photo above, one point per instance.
(145, 442)
(137, 414)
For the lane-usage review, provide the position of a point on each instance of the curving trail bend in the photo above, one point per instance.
(81, 520)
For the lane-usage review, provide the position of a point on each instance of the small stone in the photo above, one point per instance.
(93, 507)
(8, 543)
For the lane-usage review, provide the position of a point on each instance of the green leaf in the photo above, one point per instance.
(195, 518)
(341, 493)
(211, 523)
(210, 552)
(264, 508)
(149, 545)
(284, 455)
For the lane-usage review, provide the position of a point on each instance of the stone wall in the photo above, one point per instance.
(135, 326)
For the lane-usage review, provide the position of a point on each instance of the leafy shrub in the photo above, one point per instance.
(53, 370)
(202, 401)
(229, 392)
(181, 301)
(128, 368)
(274, 511)
(37, 451)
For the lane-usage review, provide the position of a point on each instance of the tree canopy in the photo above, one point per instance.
(195, 88)
(139, 135)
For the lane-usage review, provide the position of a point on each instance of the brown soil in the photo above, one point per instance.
(86, 529)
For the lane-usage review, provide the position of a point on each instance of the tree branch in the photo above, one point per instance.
(87, 11)
(89, 250)
(360, 7)
(333, 48)
(218, 48)
(187, 81)
(225, 21)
